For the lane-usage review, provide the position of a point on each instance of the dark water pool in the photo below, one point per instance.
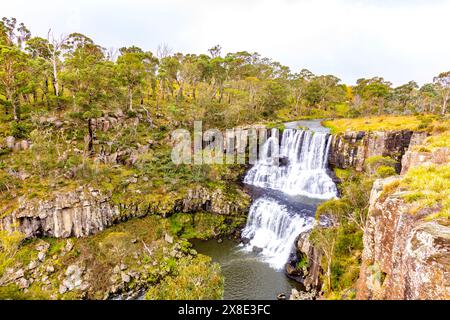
(246, 275)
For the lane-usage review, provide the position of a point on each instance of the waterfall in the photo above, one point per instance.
(295, 166)
(272, 228)
(302, 167)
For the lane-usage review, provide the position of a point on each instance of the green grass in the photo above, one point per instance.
(429, 186)
(380, 123)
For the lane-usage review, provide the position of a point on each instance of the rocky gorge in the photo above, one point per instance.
(86, 211)
(401, 251)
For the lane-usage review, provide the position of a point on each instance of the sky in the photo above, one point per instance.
(399, 40)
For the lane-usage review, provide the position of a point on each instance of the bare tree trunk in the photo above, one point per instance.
(16, 111)
(130, 97)
(180, 92)
(444, 105)
(220, 93)
(90, 139)
(161, 87)
(193, 91)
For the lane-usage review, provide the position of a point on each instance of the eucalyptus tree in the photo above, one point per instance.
(14, 34)
(442, 82)
(131, 70)
(167, 74)
(14, 77)
(298, 83)
(375, 90)
(14, 64)
(88, 74)
(427, 98)
(38, 49)
(406, 94)
(191, 72)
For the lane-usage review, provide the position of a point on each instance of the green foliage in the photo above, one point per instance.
(195, 279)
(385, 171)
(341, 242)
(20, 130)
(428, 187)
(381, 166)
(9, 246)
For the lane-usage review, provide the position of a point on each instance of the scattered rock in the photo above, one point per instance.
(257, 250)
(301, 295)
(23, 283)
(281, 296)
(69, 245)
(168, 238)
(32, 265)
(10, 142)
(62, 289)
(41, 256)
(18, 274)
(125, 277)
(123, 267)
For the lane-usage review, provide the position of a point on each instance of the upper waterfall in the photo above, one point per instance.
(296, 166)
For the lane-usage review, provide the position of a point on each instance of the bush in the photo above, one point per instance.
(373, 163)
(194, 279)
(385, 171)
(20, 130)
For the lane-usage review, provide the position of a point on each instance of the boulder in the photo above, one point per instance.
(10, 142)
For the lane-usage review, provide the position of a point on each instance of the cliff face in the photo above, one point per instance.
(405, 256)
(309, 274)
(351, 149)
(86, 211)
(78, 213)
(414, 158)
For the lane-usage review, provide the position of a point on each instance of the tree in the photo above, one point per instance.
(54, 48)
(12, 34)
(375, 90)
(14, 76)
(131, 70)
(38, 48)
(427, 97)
(442, 82)
(324, 239)
(405, 94)
(298, 83)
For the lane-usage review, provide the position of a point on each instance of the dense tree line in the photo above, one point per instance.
(74, 72)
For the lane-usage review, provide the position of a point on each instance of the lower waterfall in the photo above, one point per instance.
(295, 166)
(273, 229)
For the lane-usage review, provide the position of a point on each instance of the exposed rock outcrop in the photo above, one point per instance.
(351, 149)
(77, 213)
(309, 273)
(414, 158)
(405, 256)
(86, 211)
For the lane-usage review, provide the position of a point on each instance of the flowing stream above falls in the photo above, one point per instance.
(287, 183)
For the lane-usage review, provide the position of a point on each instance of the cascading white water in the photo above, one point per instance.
(271, 226)
(306, 153)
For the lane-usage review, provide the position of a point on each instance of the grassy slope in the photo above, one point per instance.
(381, 123)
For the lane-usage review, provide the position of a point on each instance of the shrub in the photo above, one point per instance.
(192, 278)
(373, 163)
(20, 130)
(385, 171)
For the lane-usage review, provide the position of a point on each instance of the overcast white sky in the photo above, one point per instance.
(400, 40)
